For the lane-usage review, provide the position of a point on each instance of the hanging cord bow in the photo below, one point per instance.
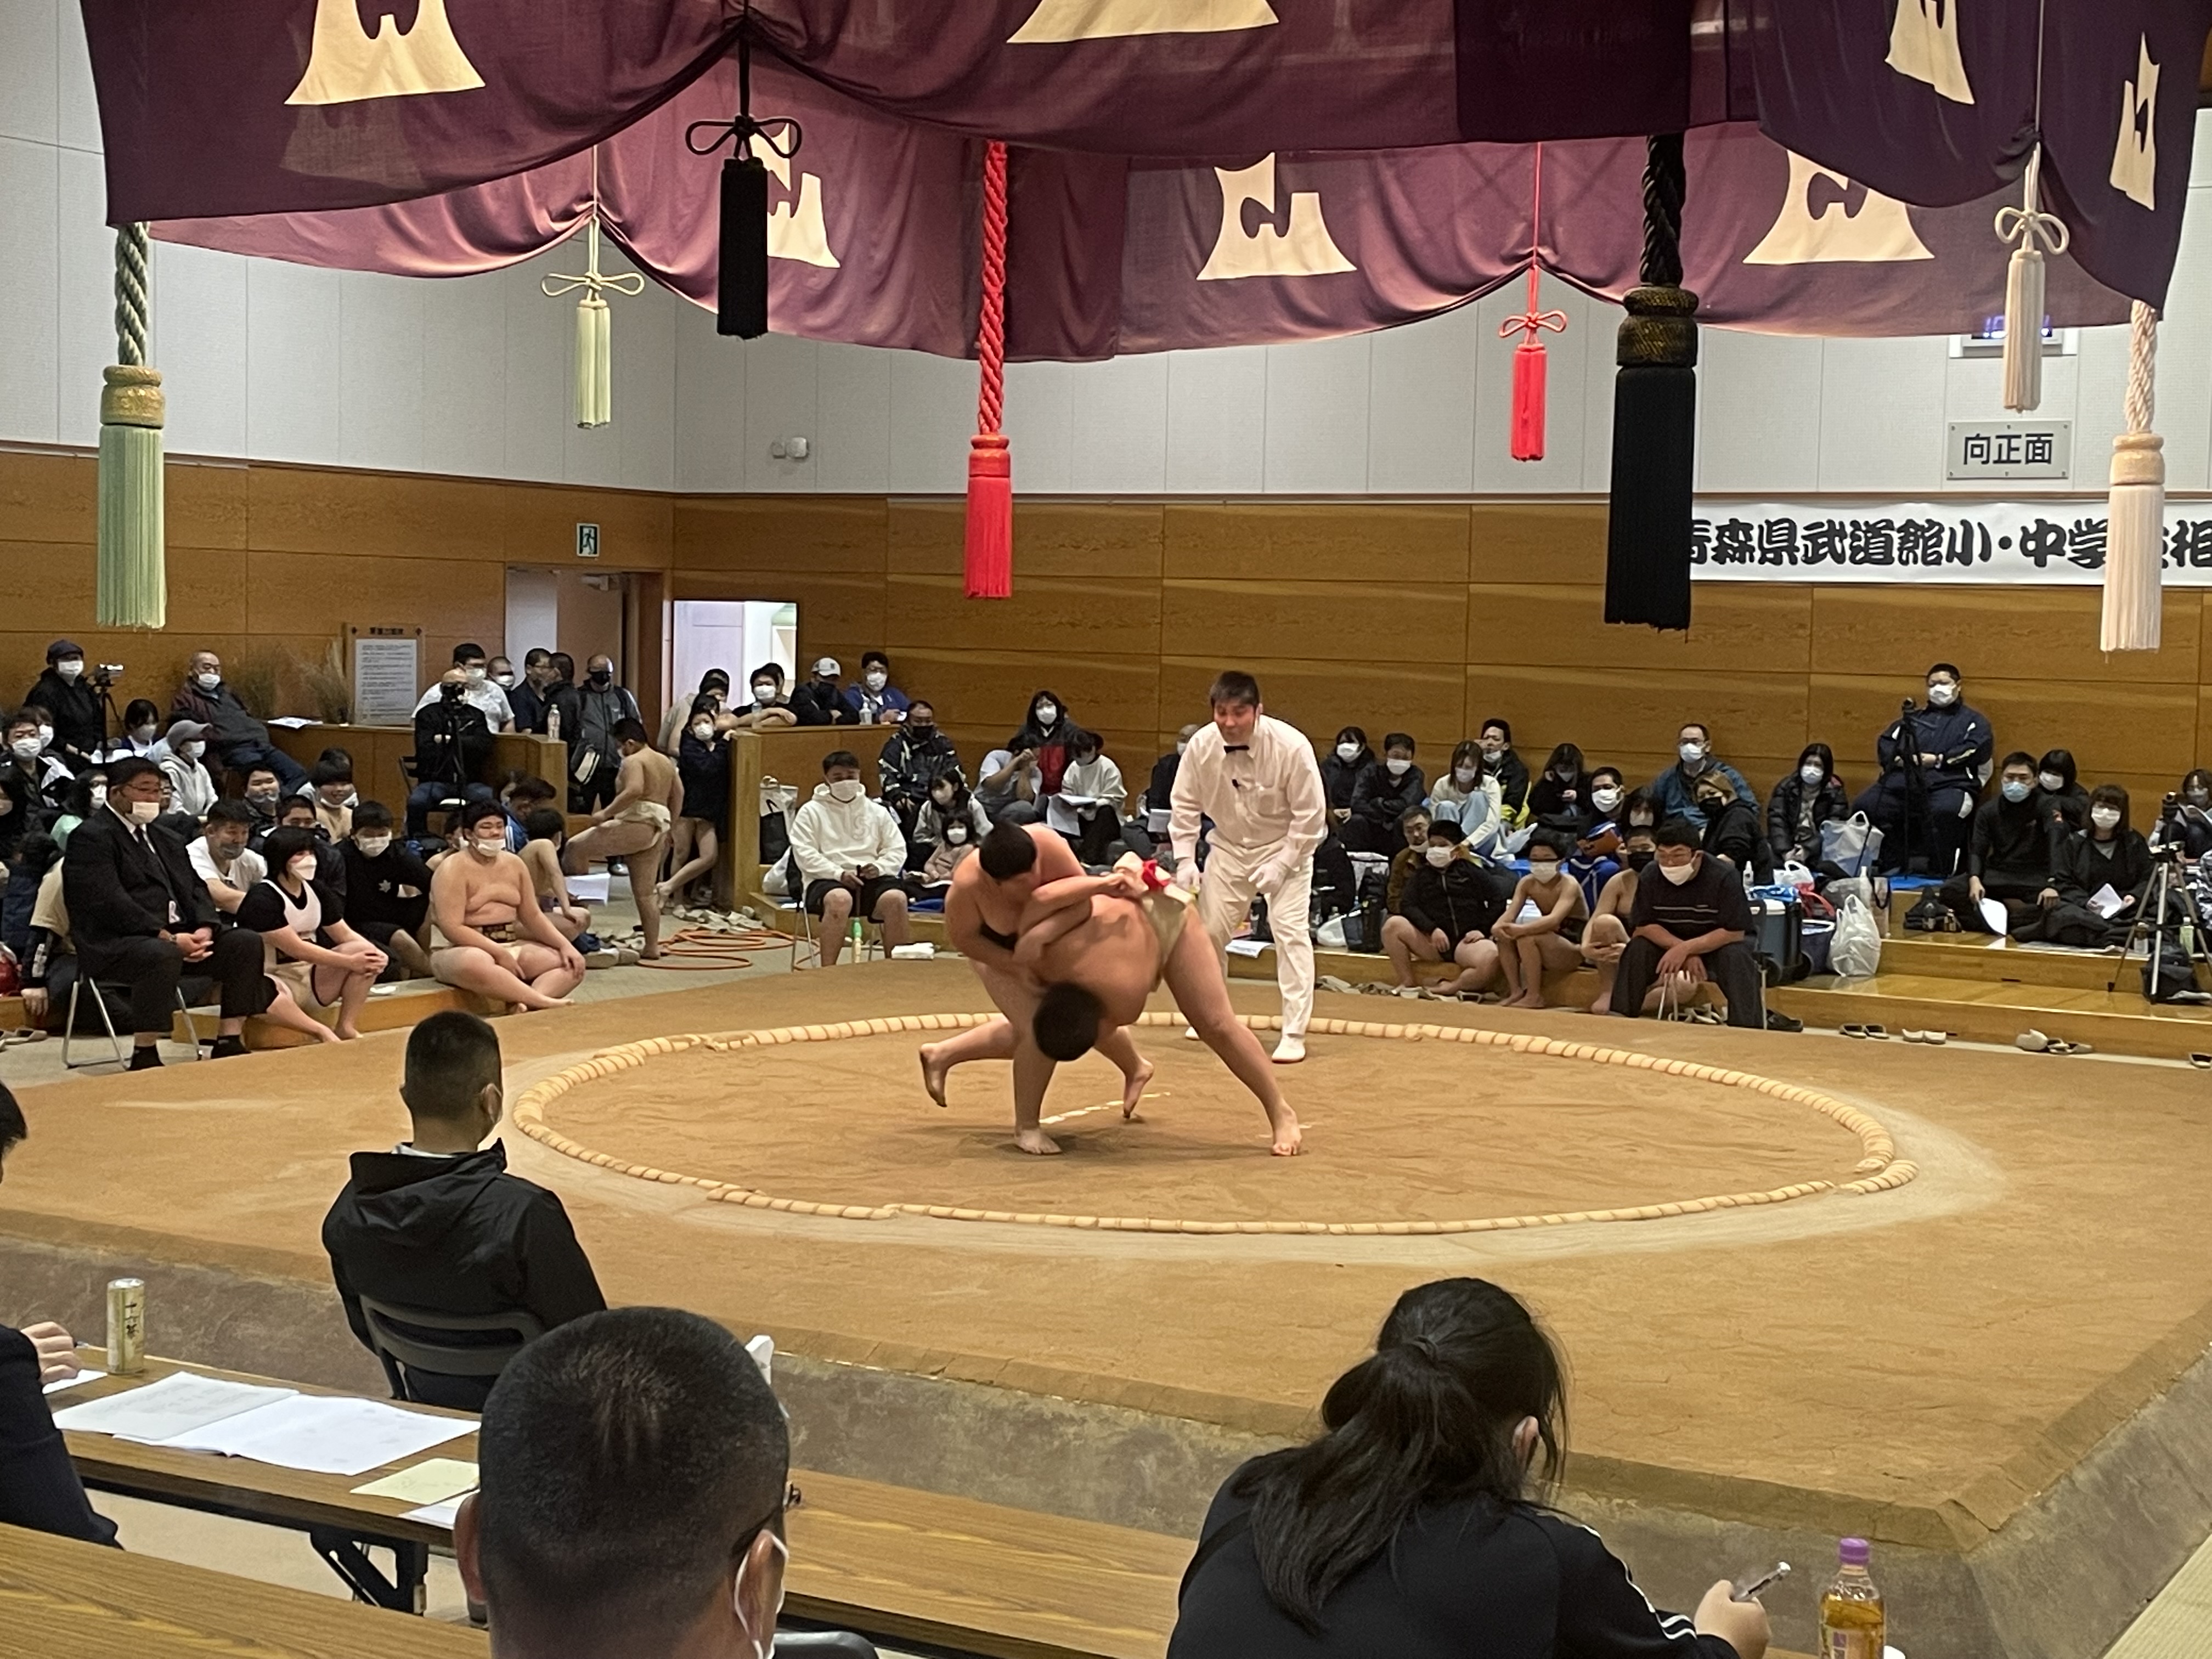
(1531, 368)
(595, 343)
(741, 273)
(2032, 231)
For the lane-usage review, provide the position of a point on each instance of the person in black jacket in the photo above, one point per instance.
(65, 692)
(139, 916)
(1495, 740)
(1349, 761)
(1947, 744)
(2059, 799)
(453, 742)
(1560, 798)
(818, 700)
(1415, 1524)
(39, 1485)
(2107, 853)
(2008, 857)
(1810, 796)
(1732, 829)
(1382, 797)
(387, 888)
(438, 1225)
(916, 755)
(1450, 905)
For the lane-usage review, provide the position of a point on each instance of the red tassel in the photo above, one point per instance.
(990, 561)
(1530, 363)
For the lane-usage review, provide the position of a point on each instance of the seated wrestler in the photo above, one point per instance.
(634, 825)
(1101, 945)
(493, 938)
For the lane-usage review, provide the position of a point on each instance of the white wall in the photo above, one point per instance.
(268, 360)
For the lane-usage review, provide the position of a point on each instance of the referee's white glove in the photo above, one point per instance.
(1269, 880)
(1186, 875)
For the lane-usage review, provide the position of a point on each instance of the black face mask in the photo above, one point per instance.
(1639, 861)
(601, 675)
(449, 691)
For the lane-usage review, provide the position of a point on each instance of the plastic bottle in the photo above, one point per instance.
(1851, 1623)
(553, 723)
(859, 951)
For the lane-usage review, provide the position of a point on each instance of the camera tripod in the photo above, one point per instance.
(2169, 889)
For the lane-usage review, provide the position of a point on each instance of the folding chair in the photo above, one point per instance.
(122, 1055)
(405, 1339)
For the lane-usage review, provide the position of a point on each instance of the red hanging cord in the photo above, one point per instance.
(1530, 363)
(990, 553)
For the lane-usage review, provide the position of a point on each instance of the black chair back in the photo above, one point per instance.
(405, 1339)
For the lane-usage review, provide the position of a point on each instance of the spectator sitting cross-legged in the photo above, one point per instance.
(1550, 939)
(1451, 903)
(1416, 1522)
(916, 753)
(2008, 857)
(138, 916)
(437, 1223)
(1673, 792)
(237, 738)
(635, 1467)
(494, 938)
(2060, 800)
(1340, 771)
(2106, 856)
(387, 888)
(39, 1486)
(324, 961)
(1810, 796)
(1689, 922)
(875, 701)
(1384, 797)
(850, 855)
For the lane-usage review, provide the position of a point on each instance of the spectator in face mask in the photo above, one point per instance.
(1606, 936)
(875, 701)
(1948, 745)
(1045, 736)
(849, 850)
(603, 706)
(1349, 761)
(702, 762)
(65, 691)
(1451, 903)
(2060, 800)
(818, 700)
(1495, 740)
(235, 738)
(2008, 857)
(1088, 809)
(1595, 858)
(950, 802)
(331, 781)
(1810, 796)
(1384, 797)
(141, 734)
(1674, 790)
(1732, 830)
(770, 707)
(263, 795)
(1471, 798)
(41, 774)
(958, 825)
(387, 888)
(714, 691)
(2106, 854)
(1531, 945)
(477, 689)
(1560, 798)
(1414, 827)
(1689, 925)
(915, 756)
(2193, 813)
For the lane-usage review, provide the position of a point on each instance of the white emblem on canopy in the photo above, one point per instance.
(1827, 219)
(1923, 46)
(1114, 19)
(2135, 157)
(795, 230)
(345, 65)
(1307, 251)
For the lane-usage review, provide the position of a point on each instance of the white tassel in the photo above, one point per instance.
(595, 362)
(2135, 543)
(2027, 225)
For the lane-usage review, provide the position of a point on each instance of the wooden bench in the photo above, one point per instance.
(406, 1004)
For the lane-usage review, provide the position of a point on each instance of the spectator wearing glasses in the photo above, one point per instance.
(1674, 790)
(477, 689)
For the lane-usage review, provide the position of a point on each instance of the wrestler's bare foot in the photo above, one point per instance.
(1036, 1141)
(347, 1033)
(1602, 1006)
(1132, 1090)
(542, 1004)
(653, 954)
(933, 1071)
(1524, 1001)
(1288, 1136)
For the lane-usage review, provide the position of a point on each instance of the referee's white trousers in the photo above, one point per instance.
(1224, 900)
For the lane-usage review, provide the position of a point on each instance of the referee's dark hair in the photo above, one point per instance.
(451, 1057)
(629, 1462)
(1235, 688)
(1006, 851)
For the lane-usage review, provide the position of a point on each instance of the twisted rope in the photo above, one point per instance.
(2142, 365)
(132, 277)
(1665, 185)
(991, 324)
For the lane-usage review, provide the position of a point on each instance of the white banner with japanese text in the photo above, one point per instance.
(2052, 543)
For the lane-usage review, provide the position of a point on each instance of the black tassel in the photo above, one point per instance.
(1654, 415)
(741, 273)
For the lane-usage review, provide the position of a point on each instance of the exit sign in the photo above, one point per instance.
(587, 541)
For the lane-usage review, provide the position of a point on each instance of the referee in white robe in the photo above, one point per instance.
(1257, 778)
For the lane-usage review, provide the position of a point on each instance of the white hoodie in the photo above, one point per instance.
(829, 836)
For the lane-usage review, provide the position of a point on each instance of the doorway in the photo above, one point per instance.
(736, 636)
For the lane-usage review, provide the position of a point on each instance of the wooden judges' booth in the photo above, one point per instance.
(792, 755)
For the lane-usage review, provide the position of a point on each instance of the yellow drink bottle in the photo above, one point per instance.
(1851, 1623)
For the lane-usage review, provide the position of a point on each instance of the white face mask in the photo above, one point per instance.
(702, 730)
(45, 735)
(761, 1648)
(1181, 746)
(955, 833)
(502, 681)
(191, 751)
(26, 748)
(763, 694)
(2104, 817)
(1347, 752)
(1464, 776)
(1942, 696)
(1692, 754)
(1543, 869)
(145, 811)
(876, 681)
(1398, 767)
(1439, 856)
(1679, 873)
(2014, 789)
(98, 795)
(1047, 713)
(846, 789)
(1490, 747)
(302, 867)
(489, 848)
(475, 675)
(1605, 799)
(142, 734)
(208, 681)
(70, 667)
(2051, 780)
(1813, 775)
(372, 847)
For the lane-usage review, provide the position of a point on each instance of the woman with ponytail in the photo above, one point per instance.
(1411, 1527)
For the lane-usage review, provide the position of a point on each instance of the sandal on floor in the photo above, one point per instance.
(2061, 1047)
(2202, 1062)
(2032, 1041)
(1911, 1036)
(1852, 1030)
(1938, 1038)
(1879, 1033)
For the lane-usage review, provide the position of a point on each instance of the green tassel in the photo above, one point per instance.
(133, 590)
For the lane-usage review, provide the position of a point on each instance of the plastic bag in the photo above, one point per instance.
(1794, 874)
(1855, 951)
(1851, 844)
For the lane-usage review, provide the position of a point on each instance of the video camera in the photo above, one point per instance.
(106, 674)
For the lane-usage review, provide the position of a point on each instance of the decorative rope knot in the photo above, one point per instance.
(2029, 225)
(1530, 321)
(592, 280)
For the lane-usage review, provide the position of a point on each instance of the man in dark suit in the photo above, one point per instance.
(435, 1223)
(38, 1488)
(138, 916)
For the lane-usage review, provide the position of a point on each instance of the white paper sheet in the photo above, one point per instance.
(435, 1481)
(588, 889)
(2104, 901)
(1247, 947)
(324, 1434)
(442, 1515)
(179, 1404)
(1994, 913)
(71, 1382)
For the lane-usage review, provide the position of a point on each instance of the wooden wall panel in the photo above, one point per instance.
(1537, 541)
(1368, 627)
(1990, 633)
(1748, 714)
(740, 532)
(320, 593)
(835, 609)
(991, 691)
(1745, 629)
(1313, 542)
(47, 497)
(1051, 538)
(2123, 728)
(1422, 700)
(206, 505)
(1107, 618)
(297, 510)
